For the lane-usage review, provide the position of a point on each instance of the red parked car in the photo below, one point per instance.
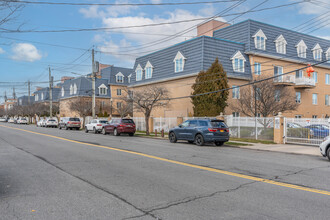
(119, 126)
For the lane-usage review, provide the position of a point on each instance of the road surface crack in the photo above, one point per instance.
(86, 181)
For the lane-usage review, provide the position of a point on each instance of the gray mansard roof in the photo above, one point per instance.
(199, 54)
(110, 73)
(42, 95)
(82, 86)
(24, 100)
(243, 32)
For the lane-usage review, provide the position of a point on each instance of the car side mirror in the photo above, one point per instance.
(180, 126)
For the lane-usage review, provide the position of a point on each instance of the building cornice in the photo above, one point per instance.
(285, 59)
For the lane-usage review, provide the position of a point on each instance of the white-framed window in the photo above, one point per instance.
(327, 79)
(315, 76)
(317, 52)
(62, 91)
(327, 55)
(179, 62)
(314, 116)
(103, 90)
(235, 92)
(71, 89)
(298, 97)
(277, 95)
(301, 49)
(42, 96)
(75, 89)
(118, 104)
(238, 61)
(280, 44)
(314, 101)
(36, 98)
(120, 77)
(278, 71)
(298, 116)
(260, 40)
(129, 78)
(138, 72)
(257, 68)
(235, 114)
(118, 91)
(148, 70)
(327, 100)
(299, 74)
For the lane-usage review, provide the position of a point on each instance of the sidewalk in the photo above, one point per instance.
(284, 148)
(281, 148)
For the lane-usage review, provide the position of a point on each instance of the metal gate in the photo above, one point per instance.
(307, 131)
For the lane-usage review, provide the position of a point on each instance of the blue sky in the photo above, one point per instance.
(25, 59)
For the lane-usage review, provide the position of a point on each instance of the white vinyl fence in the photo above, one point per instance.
(308, 131)
(250, 127)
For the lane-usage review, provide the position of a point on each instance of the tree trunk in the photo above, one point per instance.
(147, 124)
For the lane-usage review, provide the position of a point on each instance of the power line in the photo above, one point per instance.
(119, 4)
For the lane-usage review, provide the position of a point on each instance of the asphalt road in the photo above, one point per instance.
(58, 174)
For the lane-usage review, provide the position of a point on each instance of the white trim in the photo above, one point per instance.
(317, 50)
(118, 75)
(75, 88)
(238, 55)
(301, 44)
(327, 54)
(179, 56)
(62, 92)
(148, 65)
(260, 33)
(71, 89)
(102, 86)
(129, 78)
(280, 44)
(137, 69)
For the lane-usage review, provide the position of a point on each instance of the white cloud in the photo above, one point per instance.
(25, 52)
(2, 51)
(310, 8)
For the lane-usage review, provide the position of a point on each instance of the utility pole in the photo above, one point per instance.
(14, 93)
(29, 92)
(93, 84)
(50, 94)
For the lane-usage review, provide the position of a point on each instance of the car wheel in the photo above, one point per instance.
(190, 142)
(328, 153)
(219, 143)
(131, 134)
(172, 137)
(66, 127)
(199, 140)
(94, 130)
(115, 132)
(59, 127)
(86, 130)
(103, 131)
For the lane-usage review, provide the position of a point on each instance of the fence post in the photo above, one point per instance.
(151, 124)
(279, 129)
(179, 120)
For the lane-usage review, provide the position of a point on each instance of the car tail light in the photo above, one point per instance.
(98, 125)
(69, 122)
(212, 130)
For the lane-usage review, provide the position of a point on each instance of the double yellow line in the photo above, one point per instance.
(257, 179)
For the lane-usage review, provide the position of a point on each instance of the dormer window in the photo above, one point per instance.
(71, 89)
(179, 62)
(260, 40)
(301, 49)
(238, 61)
(36, 98)
(317, 52)
(148, 70)
(327, 55)
(62, 91)
(120, 77)
(129, 78)
(138, 72)
(75, 89)
(280, 44)
(103, 90)
(42, 96)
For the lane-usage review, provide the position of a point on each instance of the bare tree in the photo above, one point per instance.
(125, 108)
(8, 13)
(265, 98)
(147, 99)
(82, 106)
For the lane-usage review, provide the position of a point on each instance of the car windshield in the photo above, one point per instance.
(52, 120)
(74, 119)
(128, 121)
(103, 122)
(218, 124)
